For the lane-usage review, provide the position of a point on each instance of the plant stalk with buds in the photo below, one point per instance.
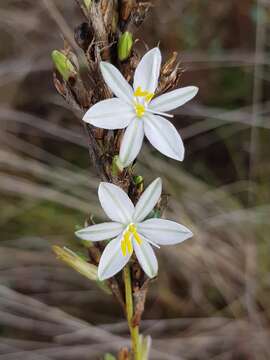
(103, 64)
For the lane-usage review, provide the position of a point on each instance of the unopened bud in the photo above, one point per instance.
(63, 65)
(87, 4)
(76, 262)
(138, 179)
(125, 43)
(109, 357)
(117, 166)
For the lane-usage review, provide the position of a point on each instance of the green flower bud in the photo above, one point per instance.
(138, 179)
(109, 357)
(125, 43)
(63, 65)
(87, 4)
(117, 167)
(76, 262)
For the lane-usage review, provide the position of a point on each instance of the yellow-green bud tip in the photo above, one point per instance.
(125, 44)
(63, 65)
(87, 4)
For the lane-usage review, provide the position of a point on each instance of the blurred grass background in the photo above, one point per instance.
(211, 300)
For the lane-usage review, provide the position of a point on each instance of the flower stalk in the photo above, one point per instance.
(134, 330)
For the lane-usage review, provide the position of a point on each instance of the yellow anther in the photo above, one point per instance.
(124, 247)
(126, 242)
(145, 94)
(149, 97)
(139, 92)
(133, 230)
(137, 237)
(140, 110)
(129, 246)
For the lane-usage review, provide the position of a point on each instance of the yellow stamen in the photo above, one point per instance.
(126, 242)
(140, 110)
(139, 92)
(137, 238)
(133, 230)
(149, 97)
(124, 247)
(145, 94)
(129, 246)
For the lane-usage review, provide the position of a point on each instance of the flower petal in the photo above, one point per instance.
(110, 114)
(100, 232)
(173, 99)
(112, 259)
(148, 200)
(116, 82)
(147, 72)
(164, 136)
(131, 142)
(146, 257)
(115, 202)
(164, 232)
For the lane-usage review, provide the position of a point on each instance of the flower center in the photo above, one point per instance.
(126, 242)
(140, 106)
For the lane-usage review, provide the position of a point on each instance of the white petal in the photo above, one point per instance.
(148, 240)
(115, 202)
(164, 136)
(116, 82)
(132, 142)
(100, 232)
(110, 114)
(148, 200)
(147, 258)
(147, 72)
(173, 99)
(164, 232)
(112, 259)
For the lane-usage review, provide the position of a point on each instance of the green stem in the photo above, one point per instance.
(134, 330)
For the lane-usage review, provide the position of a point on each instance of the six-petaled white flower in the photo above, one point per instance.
(130, 231)
(137, 110)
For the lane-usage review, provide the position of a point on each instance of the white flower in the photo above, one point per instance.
(129, 231)
(135, 109)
